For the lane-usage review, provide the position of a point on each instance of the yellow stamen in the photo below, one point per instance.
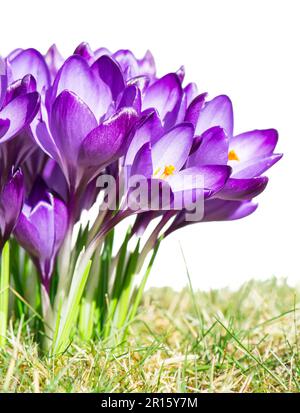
(169, 170)
(156, 172)
(232, 156)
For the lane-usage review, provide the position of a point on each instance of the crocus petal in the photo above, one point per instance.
(55, 179)
(101, 52)
(217, 112)
(60, 222)
(128, 63)
(243, 189)
(254, 167)
(4, 126)
(20, 113)
(194, 109)
(148, 130)
(3, 81)
(14, 53)
(219, 210)
(70, 122)
(111, 74)
(163, 95)
(181, 111)
(31, 61)
(27, 235)
(142, 82)
(131, 98)
(11, 202)
(213, 149)
(142, 164)
(45, 140)
(147, 65)
(190, 91)
(215, 210)
(108, 141)
(54, 60)
(181, 73)
(173, 148)
(157, 195)
(254, 144)
(15, 151)
(84, 50)
(20, 87)
(42, 218)
(211, 178)
(41, 230)
(76, 76)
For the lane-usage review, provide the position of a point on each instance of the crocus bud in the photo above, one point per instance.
(11, 202)
(41, 230)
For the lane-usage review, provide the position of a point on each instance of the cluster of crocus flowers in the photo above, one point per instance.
(66, 122)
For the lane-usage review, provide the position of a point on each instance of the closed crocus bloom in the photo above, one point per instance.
(41, 230)
(11, 202)
(165, 95)
(18, 109)
(20, 103)
(30, 61)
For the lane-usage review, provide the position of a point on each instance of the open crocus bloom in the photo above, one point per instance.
(165, 160)
(249, 154)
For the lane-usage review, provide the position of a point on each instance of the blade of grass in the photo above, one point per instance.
(243, 347)
(4, 293)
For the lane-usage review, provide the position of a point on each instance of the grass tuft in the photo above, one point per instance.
(217, 341)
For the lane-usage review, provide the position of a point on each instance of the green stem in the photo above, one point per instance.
(4, 293)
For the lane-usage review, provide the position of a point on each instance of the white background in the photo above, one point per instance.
(246, 49)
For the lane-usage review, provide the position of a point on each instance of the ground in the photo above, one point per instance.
(218, 341)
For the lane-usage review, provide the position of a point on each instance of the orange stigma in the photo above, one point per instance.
(232, 156)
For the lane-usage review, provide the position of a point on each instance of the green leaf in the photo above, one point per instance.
(142, 285)
(124, 299)
(70, 311)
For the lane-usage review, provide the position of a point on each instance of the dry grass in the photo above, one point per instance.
(221, 341)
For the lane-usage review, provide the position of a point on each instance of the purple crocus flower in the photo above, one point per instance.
(133, 69)
(41, 229)
(30, 61)
(249, 154)
(19, 104)
(11, 202)
(215, 210)
(83, 127)
(165, 160)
